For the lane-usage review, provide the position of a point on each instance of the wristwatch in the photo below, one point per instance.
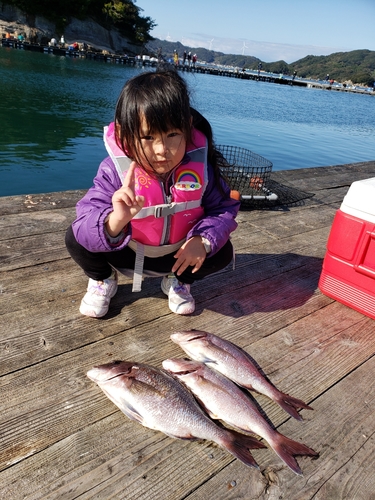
(206, 244)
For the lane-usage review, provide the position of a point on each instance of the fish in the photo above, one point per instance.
(157, 400)
(236, 364)
(224, 400)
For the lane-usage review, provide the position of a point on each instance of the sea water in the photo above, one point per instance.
(53, 109)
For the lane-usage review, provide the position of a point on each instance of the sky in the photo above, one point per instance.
(268, 29)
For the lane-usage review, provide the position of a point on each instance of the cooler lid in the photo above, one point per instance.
(360, 200)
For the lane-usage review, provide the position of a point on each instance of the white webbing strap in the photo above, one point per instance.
(138, 268)
(142, 251)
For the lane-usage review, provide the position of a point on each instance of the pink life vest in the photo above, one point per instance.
(165, 219)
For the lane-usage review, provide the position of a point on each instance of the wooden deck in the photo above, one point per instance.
(61, 438)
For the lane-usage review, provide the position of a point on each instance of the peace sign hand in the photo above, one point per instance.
(126, 204)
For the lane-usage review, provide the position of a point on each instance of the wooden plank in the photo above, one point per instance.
(318, 178)
(62, 438)
(33, 250)
(344, 435)
(309, 370)
(25, 389)
(39, 202)
(35, 223)
(48, 322)
(124, 462)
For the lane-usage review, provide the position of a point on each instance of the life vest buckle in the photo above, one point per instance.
(164, 210)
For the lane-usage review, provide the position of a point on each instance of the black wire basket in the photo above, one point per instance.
(245, 172)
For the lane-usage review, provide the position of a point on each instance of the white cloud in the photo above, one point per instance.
(266, 51)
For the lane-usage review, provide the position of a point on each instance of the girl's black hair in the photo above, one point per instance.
(162, 98)
(214, 157)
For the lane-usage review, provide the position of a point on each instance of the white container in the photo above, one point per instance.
(360, 200)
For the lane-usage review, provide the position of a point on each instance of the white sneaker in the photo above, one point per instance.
(180, 300)
(98, 296)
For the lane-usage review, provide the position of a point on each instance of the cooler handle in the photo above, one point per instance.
(358, 265)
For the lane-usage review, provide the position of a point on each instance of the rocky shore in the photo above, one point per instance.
(37, 28)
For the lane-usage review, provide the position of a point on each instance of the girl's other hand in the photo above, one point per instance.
(192, 253)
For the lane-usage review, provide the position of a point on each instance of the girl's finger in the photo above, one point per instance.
(129, 180)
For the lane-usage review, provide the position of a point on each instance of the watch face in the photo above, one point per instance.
(207, 245)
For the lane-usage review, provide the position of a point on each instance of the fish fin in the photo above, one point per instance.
(188, 437)
(209, 413)
(239, 445)
(208, 361)
(124, 406)
(291, 405)
(230, 348)
(132, 413)
(287, 449)
(251, 442)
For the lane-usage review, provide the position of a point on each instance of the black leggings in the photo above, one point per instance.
(97, 265)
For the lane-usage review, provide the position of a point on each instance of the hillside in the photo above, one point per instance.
(123, 16)
(210, 56)
(357, 66)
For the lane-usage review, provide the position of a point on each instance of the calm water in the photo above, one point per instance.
(53, 110)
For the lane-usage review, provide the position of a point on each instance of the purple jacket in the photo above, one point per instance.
(92, 210)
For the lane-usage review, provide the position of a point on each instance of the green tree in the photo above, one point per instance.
(123, 15)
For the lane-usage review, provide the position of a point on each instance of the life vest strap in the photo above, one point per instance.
(138, 268)
(164, 210)
(149, 251)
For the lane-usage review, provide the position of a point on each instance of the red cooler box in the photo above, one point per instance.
(348, 273)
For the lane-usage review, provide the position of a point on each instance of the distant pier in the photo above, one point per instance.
(273, 78)
(209, 69)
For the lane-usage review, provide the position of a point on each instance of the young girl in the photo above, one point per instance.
(159, 206)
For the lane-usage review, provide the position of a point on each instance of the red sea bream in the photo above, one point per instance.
(236, 364)
(156, 399)
(224, 400)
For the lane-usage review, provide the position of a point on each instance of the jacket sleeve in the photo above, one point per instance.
(220, 212)
(93, 209)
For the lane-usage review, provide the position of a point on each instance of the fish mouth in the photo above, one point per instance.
(181, 336)
(124, 371)
(183, 372)
(117, 375)
(196, 337)
(176, 367)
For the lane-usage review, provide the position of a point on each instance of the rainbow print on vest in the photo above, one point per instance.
(188, 180)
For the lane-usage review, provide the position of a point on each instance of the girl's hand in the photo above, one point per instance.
(125, 204)
(192, 253)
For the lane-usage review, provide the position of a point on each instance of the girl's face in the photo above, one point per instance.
(160, 152)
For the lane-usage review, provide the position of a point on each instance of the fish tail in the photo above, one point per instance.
(291, 405)
(287, 449)
(239, 445)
